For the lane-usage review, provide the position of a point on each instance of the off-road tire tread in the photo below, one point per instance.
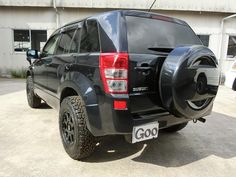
(85, 139)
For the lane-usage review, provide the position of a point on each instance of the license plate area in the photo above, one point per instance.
(145, 132)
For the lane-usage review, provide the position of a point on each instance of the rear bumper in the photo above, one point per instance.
(104, 120)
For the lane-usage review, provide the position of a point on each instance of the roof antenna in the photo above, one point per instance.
(152, 5)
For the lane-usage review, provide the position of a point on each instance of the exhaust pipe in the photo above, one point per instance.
(199, 119)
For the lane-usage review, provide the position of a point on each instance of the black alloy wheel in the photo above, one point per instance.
(68, 130)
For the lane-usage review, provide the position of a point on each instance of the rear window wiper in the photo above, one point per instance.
(161, 49)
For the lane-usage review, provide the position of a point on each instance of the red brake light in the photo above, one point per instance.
(114, 72)
(120, 105)
(114, 60)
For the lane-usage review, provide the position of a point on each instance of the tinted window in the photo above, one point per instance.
(204, 39)
(50, 47)
(144, 33)
(65, 42)
(74, 48)
(231, 53)
(89, 38)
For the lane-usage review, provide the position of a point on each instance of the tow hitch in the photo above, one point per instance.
(200, 119)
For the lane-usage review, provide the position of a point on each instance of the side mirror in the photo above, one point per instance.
(32, 54)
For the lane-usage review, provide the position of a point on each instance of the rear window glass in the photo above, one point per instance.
(144, 33)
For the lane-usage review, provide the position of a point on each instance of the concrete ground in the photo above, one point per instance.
(9, 86)
(30, 145)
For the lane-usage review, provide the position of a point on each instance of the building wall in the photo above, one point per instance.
(177, 5)
(45, 18)
(15, 18)
(34, 19)
(210, 24)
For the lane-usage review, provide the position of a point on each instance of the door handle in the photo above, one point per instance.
(141, 68)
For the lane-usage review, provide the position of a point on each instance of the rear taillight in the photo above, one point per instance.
(114, 72)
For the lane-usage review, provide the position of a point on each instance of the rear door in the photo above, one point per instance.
(150, 40)
(62, 58)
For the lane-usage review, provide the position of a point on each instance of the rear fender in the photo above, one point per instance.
(84, 87)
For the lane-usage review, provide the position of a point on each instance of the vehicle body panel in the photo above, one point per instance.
(80, 72)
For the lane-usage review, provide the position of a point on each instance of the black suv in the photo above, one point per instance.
(122, 72)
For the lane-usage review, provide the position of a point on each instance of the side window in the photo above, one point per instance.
(89, 38)
(65, 42)
(50, 47)
(74, 48)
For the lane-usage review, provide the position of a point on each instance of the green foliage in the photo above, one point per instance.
(18, 73)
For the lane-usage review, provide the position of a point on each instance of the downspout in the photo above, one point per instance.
(57, 13)
(221, 39)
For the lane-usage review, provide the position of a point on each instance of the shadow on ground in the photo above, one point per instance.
(113, 148)
(195, 142)
(44, 106)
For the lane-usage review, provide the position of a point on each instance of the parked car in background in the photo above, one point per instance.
(230, 77)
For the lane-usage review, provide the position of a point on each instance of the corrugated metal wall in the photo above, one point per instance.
(186, 5)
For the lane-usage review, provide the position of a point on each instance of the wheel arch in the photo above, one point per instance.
(81, 86)
(67, 91)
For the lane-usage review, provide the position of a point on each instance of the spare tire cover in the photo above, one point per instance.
(189, 81)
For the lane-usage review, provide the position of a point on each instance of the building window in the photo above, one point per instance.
(204, 39)
(25, 39)
(231, 52)
(21, 40)
(38, 39)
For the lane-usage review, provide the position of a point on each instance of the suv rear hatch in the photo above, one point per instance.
(150, 39)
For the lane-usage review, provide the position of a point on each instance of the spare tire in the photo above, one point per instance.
(189, 81)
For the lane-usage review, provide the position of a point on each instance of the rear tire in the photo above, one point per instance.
(234, 85)
(77, 140)
(33, 100)
(175, 128)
